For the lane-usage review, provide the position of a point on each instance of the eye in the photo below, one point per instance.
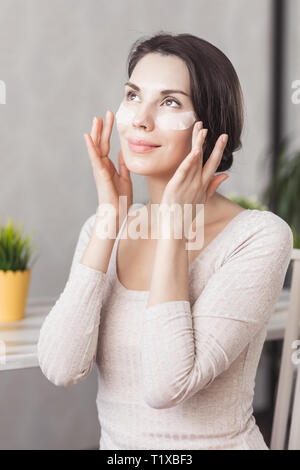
(129, 94)
(174, 101)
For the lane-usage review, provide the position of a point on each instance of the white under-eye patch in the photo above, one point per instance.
(124, 115)
(178, 121)
(167, 121)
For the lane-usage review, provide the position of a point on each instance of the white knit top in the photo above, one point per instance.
(180, 374)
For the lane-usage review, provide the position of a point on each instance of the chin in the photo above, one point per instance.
(140, 168)
(139, 165)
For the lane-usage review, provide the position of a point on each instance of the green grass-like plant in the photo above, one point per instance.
(286, 185)
(247, 202)
(254, 203)
(15, 248)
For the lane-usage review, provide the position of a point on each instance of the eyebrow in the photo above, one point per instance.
(163, 92)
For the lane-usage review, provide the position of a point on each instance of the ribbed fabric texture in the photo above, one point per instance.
(180, 374)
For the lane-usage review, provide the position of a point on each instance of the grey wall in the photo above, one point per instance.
(63, 61)
(292, 73)
(35, 414)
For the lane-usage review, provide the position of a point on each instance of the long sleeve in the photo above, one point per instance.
(184, 348)
(68, 337)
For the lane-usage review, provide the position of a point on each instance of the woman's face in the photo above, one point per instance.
(166, 120)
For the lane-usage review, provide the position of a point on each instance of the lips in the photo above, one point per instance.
(145, 143)
(142, 146)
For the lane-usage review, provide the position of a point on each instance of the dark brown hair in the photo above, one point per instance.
(215, 88)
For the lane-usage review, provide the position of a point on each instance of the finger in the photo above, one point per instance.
(215, 157)
(195, 136)
(123, 170)
(106, 133)
(214, 184)
(184, 169)
(197, 168)
(93, 153)
(99, 132)
(196, 131)
(192, 164)
(96, 130)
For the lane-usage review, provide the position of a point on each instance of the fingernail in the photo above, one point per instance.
(224, 138)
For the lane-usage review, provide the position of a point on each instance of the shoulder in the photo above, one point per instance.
(86, 227)
(266, 223)
(263, 234)
(89, 222)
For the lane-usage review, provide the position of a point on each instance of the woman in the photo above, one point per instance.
(176, 334)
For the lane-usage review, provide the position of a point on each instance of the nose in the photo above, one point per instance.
(143, 118)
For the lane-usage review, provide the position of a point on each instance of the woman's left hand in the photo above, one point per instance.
(192, 184)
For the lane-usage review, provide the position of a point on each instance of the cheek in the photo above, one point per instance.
(124, 117)
(178, 147)
(178, 130)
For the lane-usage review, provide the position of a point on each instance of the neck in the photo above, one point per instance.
(211, 209)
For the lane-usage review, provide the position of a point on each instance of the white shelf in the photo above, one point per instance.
(20, 338)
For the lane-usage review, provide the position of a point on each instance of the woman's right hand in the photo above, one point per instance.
(110, 184)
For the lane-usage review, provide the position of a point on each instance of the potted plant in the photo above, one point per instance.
(15, 272)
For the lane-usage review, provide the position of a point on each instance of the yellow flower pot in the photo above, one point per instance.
(14, 287)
